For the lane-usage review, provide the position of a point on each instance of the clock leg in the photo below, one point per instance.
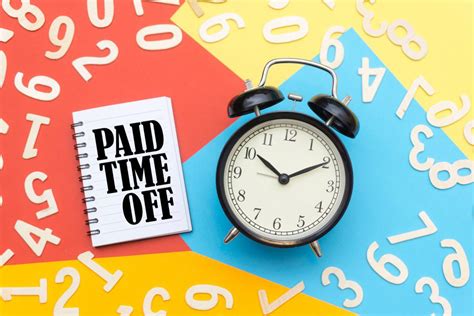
(316, 248)
(231, 235)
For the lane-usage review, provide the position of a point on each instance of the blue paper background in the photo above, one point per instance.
(388, 195)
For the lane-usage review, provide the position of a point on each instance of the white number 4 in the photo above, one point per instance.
(369, 90)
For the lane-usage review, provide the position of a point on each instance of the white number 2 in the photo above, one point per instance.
(59, 309)
(458, 256)
(343, 283)
(81, 62)
(434, 296)
(379, 266)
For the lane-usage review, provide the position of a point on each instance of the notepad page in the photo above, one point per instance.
(129, 207)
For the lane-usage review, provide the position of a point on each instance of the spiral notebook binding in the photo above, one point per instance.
(81, 167)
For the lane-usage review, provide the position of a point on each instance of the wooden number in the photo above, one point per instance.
(434, 296)
(124, 310)
(379, 265)
(150, 295)
(63, 43)
(110, 279)
(3, 130)
(268, 308)
(5, 35)
(331, 4)
(25, 231)
(454, 176)
(278, 4)
(59, 309)
(468, 132)
(5, 256)
(410, 37)
(368, 16)
(174, 40)
(46, 196)
(37, 120)
(212, 290)
(429, 229)
(369, 90)
(458, 256)
(3, 67)
(7, 293)
(328, 42)
(419, 82)
(222, 20)
(286, 21)
(419, 147)
(81, 62)
(26, 9)
(92, 11)
(31, 91)
(138, 5)
(343, 283)
(455, 115)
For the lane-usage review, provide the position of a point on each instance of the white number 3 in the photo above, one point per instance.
(434, 297)
(343, 283)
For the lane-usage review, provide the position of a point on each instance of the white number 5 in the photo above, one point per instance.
(343, 283)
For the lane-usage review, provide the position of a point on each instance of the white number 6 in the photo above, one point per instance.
(31, 91)
(379, 266)
(221, 20)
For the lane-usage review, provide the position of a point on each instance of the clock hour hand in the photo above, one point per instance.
(269, 165)
(297, 173)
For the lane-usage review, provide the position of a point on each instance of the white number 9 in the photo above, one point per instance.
(212, 290)
(63, 43)
(344, 284)
(458, 256)
(328, 42)
(31, 91)
(221, 20)
(379, 266)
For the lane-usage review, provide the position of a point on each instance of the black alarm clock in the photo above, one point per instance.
(285, 179)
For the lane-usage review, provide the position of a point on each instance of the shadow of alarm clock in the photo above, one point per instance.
(285, 179)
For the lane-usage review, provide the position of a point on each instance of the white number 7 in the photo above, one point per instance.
(417, 83)
(425, 231)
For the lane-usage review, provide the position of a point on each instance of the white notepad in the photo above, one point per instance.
(131, 171)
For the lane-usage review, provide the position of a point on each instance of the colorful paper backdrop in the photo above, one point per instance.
(201, 77)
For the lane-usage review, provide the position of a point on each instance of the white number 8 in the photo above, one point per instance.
(454, 176)
(410, 37)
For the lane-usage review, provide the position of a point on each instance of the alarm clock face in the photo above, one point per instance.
(284, 179)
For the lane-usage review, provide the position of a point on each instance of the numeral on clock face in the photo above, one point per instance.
(290, 135)
(267, 139)
(280, 211)
(250, 153)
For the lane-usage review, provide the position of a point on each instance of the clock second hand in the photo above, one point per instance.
(267, 175)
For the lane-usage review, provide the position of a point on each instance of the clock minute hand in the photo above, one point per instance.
(269, 165)
(297, 173)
